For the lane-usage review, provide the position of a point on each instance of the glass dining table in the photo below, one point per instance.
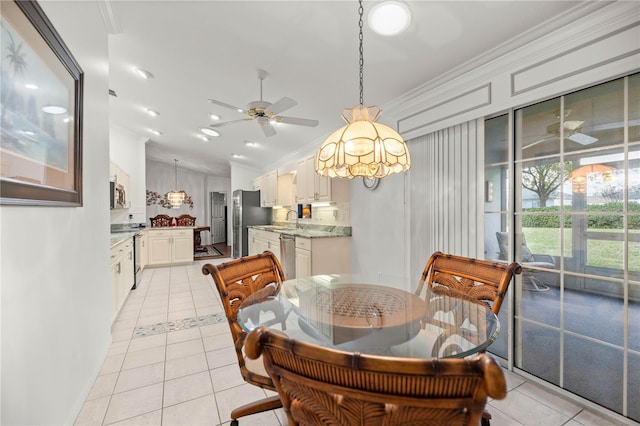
(375, 314)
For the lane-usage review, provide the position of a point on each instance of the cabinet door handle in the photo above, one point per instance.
(119, 267)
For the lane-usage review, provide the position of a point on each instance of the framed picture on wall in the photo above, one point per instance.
(41, 111)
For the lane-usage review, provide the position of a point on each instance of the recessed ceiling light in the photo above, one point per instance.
(389, 17)
(155, 132)
(152, 113)
(250, 143)
(52, 109)
(204, 138)
(236, 155)
(31, 86)
(66, 119)
(209, 132)
(144, 73)
(214, 116)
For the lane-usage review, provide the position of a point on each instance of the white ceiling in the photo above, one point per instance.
(198, 50)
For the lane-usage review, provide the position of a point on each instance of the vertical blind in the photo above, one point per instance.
(446, 193)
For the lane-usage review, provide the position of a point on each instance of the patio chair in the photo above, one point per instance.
(320, 385)
(529, 280)
(244, 280)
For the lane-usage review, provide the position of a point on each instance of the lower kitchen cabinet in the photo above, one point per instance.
(315, 256)
(122, 274)
(260, 241)
(169, 246)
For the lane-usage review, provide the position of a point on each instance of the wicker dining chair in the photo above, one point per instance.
(241, 281)
(160, 220)
(185, 220)
(324, 386)
(481, 281)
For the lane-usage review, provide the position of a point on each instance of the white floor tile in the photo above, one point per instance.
(144, 357)
(180, 315)
(147, 342)
(103, 386)
(200, 411)
(222, 357)
(187, 388)
(112, 364)
(180, 367)
(183, 335)
(219, 341)
(226, 377)
(134, 403)
(232, 398)
(214, 329)
(140, 377)
(92, 412)
(528, 411)
(153, 418)
(182, 349)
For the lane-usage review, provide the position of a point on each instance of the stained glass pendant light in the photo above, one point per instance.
(176, 198)
(362, 148)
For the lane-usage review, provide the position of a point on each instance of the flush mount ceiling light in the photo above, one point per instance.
(143, 73)
(362, 148)
(31, 86)
(52, 109)
(209, 132)
(152, 112)
(389, 17)
(176, 198)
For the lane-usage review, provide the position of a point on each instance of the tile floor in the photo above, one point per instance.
(186, 373)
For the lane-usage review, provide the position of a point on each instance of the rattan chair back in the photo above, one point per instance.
(239, 281)
(464, 277)
(324, 386)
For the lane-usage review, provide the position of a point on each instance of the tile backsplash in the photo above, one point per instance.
(335, 214)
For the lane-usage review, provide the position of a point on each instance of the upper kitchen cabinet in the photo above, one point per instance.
(312, 187)
(268, 186)
(286, 190)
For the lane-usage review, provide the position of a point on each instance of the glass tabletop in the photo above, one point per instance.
(373, 314)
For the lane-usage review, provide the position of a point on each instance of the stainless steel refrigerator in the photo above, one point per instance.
(246, 212)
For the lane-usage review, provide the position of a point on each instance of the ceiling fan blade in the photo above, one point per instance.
(213, 101)
(582, 139)
(539, 141)
(229, 122)
(281, 105)
(267, 129)
(295, 120)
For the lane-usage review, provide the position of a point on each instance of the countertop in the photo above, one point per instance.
(121, 236)
(302, 232)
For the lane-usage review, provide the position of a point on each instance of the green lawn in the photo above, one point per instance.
(600, 253)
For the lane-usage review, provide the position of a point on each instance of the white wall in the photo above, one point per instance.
(127, 150)
(161, 178)
(54, 262)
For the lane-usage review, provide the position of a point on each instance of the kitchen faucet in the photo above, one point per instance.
(296, 216)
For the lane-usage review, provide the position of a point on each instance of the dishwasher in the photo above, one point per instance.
(288, 255)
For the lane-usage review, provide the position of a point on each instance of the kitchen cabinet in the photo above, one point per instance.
(286, 190)
(312, 187)
(170, 246)
(122, 274)
(268, 185)
(144, 251)
(260, 240)
(315, 256)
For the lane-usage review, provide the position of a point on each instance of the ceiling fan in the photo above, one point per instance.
(266, 113)
(571, 131)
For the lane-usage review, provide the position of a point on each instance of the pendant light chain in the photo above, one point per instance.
(360, 12)
(176, 167)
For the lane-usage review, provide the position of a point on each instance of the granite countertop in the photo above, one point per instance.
(307, 232)
(120, 236)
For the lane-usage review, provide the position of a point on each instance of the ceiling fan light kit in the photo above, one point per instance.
(362, 148)
(265, 113)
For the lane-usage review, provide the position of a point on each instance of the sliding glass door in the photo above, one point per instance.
(572, 219)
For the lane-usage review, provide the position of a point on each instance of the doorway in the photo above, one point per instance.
(218, 217)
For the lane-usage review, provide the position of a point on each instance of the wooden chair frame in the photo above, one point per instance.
(322, 386)
(480, 281)
(241, 281)
(185, 220)
(160, 220)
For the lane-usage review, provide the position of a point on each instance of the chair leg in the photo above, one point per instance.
(534, 285)
(486, 417)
